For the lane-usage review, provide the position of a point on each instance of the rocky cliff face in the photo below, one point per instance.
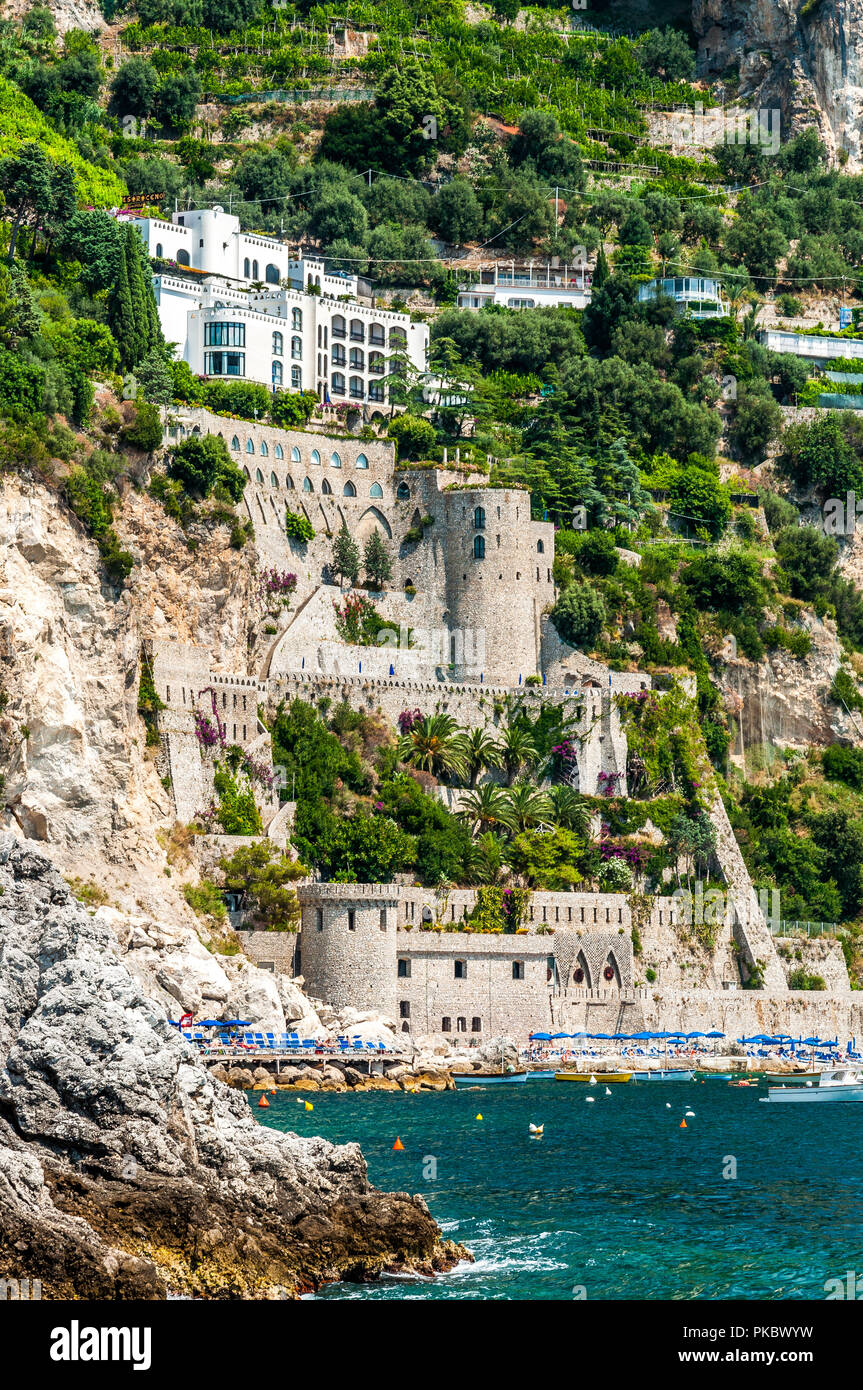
(125, 1169)
(805, 58)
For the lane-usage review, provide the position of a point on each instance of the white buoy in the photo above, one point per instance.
(536, 1131)
(690, 1114)
(668, 1105)
(592, 1081)
(608, 1090)
(589, 1100)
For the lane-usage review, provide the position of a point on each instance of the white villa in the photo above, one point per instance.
(240, 306)
(527, 285)
(696, 295)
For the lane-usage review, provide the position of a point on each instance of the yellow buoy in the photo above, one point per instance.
(308, 1105)
(479, 1117)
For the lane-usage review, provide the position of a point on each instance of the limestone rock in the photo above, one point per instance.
(111, 1126)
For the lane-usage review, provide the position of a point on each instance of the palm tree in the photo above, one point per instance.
(529, 806)
(435, 745)
(517, 750)
(570, 811)
(484, 860)
(487, 807)
(481, 753)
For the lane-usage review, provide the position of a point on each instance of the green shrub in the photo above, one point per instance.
(298, 527)
(205, 899)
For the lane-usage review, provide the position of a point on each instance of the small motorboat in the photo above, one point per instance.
(845, 1084)
(596, 1077)
(663, 1075)
(495, 1078)
(743, 1083)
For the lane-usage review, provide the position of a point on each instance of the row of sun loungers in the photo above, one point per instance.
(284, 1042)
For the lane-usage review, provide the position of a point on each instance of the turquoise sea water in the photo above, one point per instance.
(615, 1197)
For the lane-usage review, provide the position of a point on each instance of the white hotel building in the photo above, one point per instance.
(257, 314)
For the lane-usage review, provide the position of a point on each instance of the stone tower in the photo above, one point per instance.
(348, 944)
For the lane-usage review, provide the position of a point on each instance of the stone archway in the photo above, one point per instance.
(372, 520)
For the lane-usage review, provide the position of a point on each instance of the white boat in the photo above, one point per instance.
(844, 1084)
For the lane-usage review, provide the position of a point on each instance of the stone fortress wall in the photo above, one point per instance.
(482, 566)
(397, 949)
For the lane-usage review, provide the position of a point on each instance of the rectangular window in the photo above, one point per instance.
(461, 969)
(446, 1025)
(319, 918)
(518, 970)
(383, 919)
(404, 1008)
(476, 1025)
(352, 923)
(404, 969)
(224, 364)
(225, 335)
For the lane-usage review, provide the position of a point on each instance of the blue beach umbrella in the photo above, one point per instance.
(540, 1037)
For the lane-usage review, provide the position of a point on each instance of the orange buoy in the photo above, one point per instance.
(263, 1103)
(398, 1144)
(683, 1124)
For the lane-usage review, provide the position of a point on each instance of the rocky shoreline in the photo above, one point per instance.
(126, 1169)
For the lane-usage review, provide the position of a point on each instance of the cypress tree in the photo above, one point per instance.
(121, 315)
(346, 555)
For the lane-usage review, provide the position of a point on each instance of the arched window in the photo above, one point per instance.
(479, 547)
(247, 473)
(540, 548)
(296, 318)
(377, 334)
(376, 490)
(350, 490)
(338, 326)
(278, 344)
(274, 482)
(182, 258)
(264, 450)
(289, 482)
(235, 444)
(307, 485)
(325, 487)
(357, 388)
(338, 384)
(297, 348)
(250, 448)
(247, 269)
(254, 270)
(158, 250)
(277, 373)
(362, 461)
(297, 378)
(403, 492)
(461, 1025)
(259, 477)
(358, 331)
(271, 274)
(357, 360)
(279, 452)
(479, 519)
(316, 458)
(376, 363)
(335, 460)
(398, 338)
(295, 455)
(446, 1024)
